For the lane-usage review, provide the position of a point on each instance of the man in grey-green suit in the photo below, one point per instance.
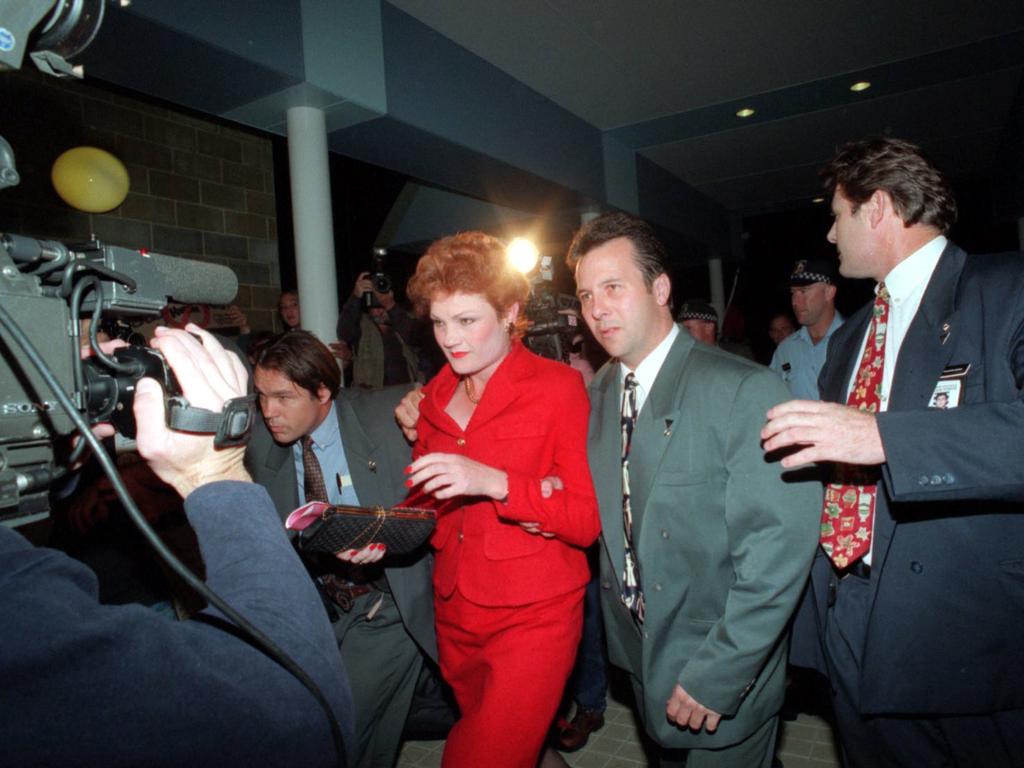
(382, 617)
(721, 541)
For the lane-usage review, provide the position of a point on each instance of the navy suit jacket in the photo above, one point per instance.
(944, 627)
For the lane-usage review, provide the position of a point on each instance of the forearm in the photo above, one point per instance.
(970, 452)
(570, 514)
(348, 320)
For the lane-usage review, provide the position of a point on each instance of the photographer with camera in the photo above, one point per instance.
(89, 684)
(381, 334)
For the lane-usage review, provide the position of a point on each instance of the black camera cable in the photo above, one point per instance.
(267, 646)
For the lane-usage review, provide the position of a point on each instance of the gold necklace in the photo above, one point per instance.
(470, 393)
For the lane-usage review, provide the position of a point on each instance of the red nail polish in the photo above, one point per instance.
(353, 551)
(408, 470)
(408, 483)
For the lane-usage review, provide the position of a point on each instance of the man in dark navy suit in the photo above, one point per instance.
(918, 588)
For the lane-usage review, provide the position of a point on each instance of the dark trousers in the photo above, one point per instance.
(589, 682)
(994, 740)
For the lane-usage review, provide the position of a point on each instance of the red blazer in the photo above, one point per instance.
(531, 423)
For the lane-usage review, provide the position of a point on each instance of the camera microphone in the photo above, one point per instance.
(185, 281)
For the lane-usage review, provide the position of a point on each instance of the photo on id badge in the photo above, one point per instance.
(946, 394)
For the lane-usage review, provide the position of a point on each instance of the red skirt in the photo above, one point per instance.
(507, 666)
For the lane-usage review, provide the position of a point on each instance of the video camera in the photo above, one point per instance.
(379, 278)
(46, 287)
(554, 317)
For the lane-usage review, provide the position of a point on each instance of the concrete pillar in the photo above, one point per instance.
(313, 222)
(717, 288)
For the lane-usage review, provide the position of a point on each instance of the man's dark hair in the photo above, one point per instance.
(304, 359)
(648, 252)
(920, 193)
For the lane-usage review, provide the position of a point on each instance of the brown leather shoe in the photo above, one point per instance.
(574, 735)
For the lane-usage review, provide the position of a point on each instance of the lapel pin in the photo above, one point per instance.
(668, 427)
(945, 333)
(371, 465)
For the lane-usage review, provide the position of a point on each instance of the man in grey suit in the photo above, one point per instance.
(382, 616)
(706, 546)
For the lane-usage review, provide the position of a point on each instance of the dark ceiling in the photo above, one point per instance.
(542, 106)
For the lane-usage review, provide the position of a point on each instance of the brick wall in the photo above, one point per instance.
(200, 189)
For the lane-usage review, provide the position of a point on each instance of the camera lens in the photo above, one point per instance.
(381, 283)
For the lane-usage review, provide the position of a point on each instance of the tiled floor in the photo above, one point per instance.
(804, 743)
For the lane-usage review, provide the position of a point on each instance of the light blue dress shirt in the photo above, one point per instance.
(804, 359)
(329, 451)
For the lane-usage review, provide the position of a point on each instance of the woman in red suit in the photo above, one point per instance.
(502, 448)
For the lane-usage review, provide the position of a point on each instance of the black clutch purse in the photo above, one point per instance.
(331, 528)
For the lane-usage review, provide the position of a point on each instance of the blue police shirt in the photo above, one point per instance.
(799, 361)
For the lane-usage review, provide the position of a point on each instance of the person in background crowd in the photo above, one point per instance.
(700, 320)
(382, 338)
(780, 326)
(799, 357)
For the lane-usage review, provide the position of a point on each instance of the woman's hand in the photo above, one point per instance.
(547, 487)
(371, 553)
(445, 475)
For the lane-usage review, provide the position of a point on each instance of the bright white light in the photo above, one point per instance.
(522, 254)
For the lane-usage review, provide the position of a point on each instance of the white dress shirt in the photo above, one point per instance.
(649, 367)
(906, 284)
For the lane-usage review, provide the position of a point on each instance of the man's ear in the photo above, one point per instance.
(323, 394)
(830, 291)
(878, 205)
(662, 289)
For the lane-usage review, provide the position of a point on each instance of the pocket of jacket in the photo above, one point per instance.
(678, 479)
(511, 543)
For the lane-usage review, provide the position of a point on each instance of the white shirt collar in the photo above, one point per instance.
(911, 274)
(649, 367)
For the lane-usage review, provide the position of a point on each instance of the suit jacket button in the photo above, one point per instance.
(948, 479)
(606, 585)
(460, 442)
(371, 465)
(664, 533)
(460, 535)
(923, 480)
(646, 634)
(657, 587)
(916, 567)
(936, 480)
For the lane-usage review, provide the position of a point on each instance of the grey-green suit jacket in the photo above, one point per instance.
(723, 540)
(377, 455)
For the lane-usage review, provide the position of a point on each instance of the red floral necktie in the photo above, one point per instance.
(847, 517)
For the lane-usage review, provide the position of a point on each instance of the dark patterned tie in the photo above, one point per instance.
(848, 513)
(632, 591)
(313, 476)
